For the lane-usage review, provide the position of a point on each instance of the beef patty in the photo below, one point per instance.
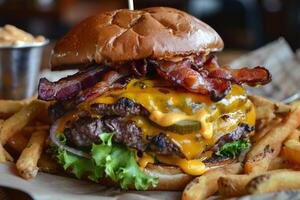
(123, 107)
(86, 130)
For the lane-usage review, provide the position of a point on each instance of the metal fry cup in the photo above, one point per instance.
(19, 70)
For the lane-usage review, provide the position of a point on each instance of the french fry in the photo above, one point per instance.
(206, 185)
(295, 135)
(266, 108)
(279, 163)
(4, 155)
(296, 104)
(20, 119)
(274, 182)
(235, 185)
(8, 156)
(266, 149)
(2, 150)
(27, 162)
(45, 119)
(291, 151)
(18, 142)
(261, 132)
(10, 107)
(28, 130)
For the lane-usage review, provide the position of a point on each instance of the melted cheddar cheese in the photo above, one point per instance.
(144, 160)
(167, 106)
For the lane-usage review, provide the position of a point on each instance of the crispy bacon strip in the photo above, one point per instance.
(199, 75)
(182, 74)
(250, 76)
(207, 77)
(139, 67)
(111, 80)
(68, 87)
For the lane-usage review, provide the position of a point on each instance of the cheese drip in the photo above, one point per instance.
(192, 167)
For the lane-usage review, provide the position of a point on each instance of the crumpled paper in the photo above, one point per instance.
(276, 56)
(53, 187)
(283, 64)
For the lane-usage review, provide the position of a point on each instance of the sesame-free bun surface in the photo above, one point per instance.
(124, 35)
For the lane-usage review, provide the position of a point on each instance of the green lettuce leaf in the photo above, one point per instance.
(233, 149)
(111, 160)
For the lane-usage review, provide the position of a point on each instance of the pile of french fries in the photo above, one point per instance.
(270, 165)
(24, 129)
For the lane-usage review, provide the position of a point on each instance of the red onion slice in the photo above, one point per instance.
(60, 145)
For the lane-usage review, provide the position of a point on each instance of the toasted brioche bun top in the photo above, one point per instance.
(124, 35)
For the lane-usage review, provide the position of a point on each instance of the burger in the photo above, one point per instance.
(150, 107)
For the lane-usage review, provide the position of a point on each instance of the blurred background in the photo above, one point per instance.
(243, 24)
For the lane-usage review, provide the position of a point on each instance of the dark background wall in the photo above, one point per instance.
(243, 24)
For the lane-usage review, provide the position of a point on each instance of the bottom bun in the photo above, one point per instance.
(170, 177)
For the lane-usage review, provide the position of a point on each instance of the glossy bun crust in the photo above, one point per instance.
(124, 35)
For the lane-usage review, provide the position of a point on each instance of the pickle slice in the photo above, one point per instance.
(182, 127)
(185, 127)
